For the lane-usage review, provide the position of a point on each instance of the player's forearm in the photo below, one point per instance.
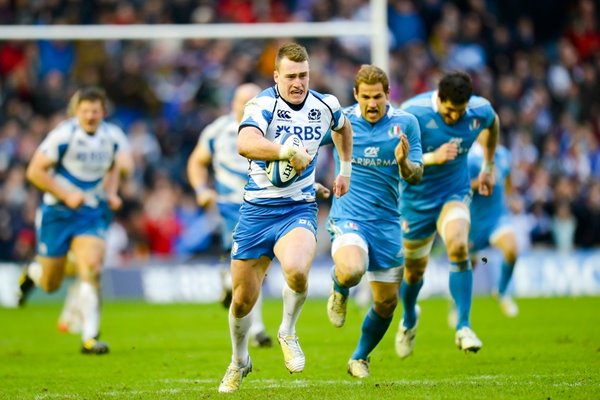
(125, 164)
(411, 172)
(252, 145)
(489, 141)
(342, 139)
(42, 180)
(112, 180)
(429, 159)
(197, 175)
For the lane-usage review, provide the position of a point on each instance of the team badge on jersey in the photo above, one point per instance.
(314, 115)
(474, 125)
(394, 131)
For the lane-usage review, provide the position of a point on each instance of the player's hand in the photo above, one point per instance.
(300, 160)
(402, 149)
(73, 200)
(114, 201)
(446, 152)
(486, 183)
(206, 198)
(341, 185)
(322, 192)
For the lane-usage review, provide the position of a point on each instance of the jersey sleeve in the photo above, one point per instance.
(339, 119)
(258, 113)
(413, 134)
(57, 141)
(120, 139)
(207, 137)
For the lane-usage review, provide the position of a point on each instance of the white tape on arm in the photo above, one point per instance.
(346, 168)
(286, 152)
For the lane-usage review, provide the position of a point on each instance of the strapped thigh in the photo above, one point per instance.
(420, 248)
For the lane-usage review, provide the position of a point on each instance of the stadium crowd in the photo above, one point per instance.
(538, 62)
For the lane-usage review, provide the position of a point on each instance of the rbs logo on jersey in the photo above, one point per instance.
(303, 132)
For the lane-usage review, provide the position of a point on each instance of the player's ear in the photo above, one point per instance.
(355, 94)
(275, 76)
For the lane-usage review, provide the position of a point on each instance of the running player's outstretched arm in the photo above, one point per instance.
(112, 181)
(197, 173)
(488, 138)
(38, 175)
(342, 139)
(409, 154)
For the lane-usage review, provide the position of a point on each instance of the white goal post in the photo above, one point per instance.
(376, 30)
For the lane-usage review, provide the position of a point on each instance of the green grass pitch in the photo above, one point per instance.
(551, 351)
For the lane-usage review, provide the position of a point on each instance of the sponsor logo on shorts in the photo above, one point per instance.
(234, 248)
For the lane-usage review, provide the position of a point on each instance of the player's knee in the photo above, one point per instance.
(349, 274)
(457, 249)
(510, 256)
(49, 285)
(241, 304)
(385, 307)
(297, 280)
(414, 270)
(414, 275)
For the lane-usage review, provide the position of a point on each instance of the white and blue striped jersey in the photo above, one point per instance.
(230, 168)
(440, 182)
(375, 192)
(310, 121)
(82, 160)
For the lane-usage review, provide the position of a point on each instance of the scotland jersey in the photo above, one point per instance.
(375, 174)
(231, 169)
(310, 121)
(82, 160)
(487, 210)
(442, 182)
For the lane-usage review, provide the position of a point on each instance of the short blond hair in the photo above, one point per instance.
(371, 75)
(292, 51)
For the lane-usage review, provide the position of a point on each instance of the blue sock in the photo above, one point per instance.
(409, 294)
(506, 272)
(336, 285)
(461, 289)
(373, 329)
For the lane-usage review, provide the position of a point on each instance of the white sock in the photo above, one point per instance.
(70, 308)
(35, 271)
(238, 329)
(257, 324)
(292, 305)
(90, 309)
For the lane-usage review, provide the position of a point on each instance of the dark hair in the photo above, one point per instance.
(371, 75)
(456, 87)
(91, 93)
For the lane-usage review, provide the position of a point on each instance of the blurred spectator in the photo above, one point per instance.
(537, 61)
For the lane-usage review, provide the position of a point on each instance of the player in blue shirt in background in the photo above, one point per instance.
(364, 225)
(451, 119)
(492, 227)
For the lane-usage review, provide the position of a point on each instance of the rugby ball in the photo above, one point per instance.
(281, 173)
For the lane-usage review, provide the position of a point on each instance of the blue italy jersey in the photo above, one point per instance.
(375, 184)
(310, 121)
(487, 210)
(442, 182)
